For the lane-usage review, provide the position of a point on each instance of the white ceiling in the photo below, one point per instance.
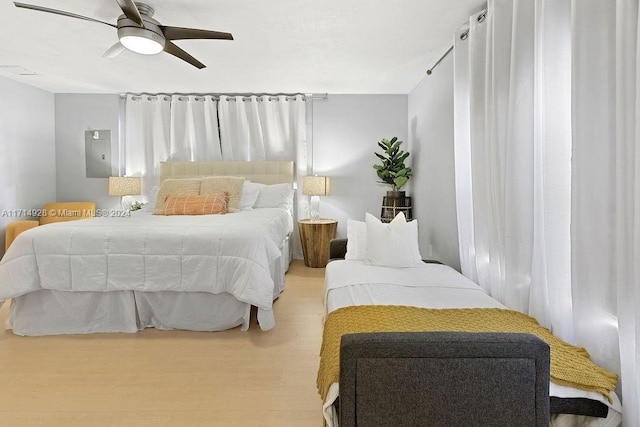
(319, 46)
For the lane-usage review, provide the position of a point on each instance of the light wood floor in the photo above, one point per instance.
(172, 378)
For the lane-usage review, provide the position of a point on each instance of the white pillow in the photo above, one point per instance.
(394, 244)
(275, 196)
(356, 240)
(250, 193)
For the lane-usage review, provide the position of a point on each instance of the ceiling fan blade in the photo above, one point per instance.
(114, 51)
(60, 12)
(176, 51)
(131, 11)
(178, 33)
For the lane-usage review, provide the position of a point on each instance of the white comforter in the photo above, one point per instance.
(206, 253)
(429, 286)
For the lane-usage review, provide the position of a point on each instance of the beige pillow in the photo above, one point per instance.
(175, 186)
(229, 184)
(196, 204)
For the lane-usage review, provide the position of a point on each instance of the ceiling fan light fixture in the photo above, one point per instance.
(141, 40)
(142, 45)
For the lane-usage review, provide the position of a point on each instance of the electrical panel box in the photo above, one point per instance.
(97, 145)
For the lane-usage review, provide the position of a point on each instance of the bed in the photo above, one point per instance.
(355, 284)
(117, 273)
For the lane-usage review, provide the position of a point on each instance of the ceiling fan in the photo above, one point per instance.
(139, 32)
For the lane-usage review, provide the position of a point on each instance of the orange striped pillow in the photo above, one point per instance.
(196, 204)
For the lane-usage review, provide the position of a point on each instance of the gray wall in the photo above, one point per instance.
(430, 118)
(75, 114)
(27, 150)
(345, 132)
(346, 129)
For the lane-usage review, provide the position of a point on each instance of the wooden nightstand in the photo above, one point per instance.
(315, 237)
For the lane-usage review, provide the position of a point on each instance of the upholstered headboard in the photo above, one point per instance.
(265, 172)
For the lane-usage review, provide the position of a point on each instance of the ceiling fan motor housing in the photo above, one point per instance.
(151, 31)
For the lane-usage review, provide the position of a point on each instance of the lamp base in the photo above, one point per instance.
(126, 202)
(314, 208)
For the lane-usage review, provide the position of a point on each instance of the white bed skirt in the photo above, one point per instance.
(49, 312)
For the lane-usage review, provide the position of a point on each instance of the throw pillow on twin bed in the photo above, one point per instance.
(357, 237)
(196, 204)
(356, 240)
(387, 245)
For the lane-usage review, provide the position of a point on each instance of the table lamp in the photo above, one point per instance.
(124, 186)
(315, 186)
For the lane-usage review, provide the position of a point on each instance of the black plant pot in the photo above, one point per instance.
(393, 203)
(396, 194)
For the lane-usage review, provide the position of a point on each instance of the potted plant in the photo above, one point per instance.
(392, 170)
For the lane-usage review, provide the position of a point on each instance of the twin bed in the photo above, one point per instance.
(355, 289)
(123, 274)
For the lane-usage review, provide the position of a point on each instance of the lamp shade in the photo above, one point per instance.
(316, 185)
(124, 185)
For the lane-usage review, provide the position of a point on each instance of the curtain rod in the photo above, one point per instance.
(430, 70)
(463, 36)
(217, 95)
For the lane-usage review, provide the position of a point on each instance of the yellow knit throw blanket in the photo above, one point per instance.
(570, 366)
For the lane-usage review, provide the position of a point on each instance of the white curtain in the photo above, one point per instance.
(265, 128)
(147, 137)
(261, 127)
(163, 127)
(513, 146)
(626, 264)
(547, 171)
(606, 189)
(194, 129)
(186, 128)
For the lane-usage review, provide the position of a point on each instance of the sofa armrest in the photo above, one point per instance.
(337, 248)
